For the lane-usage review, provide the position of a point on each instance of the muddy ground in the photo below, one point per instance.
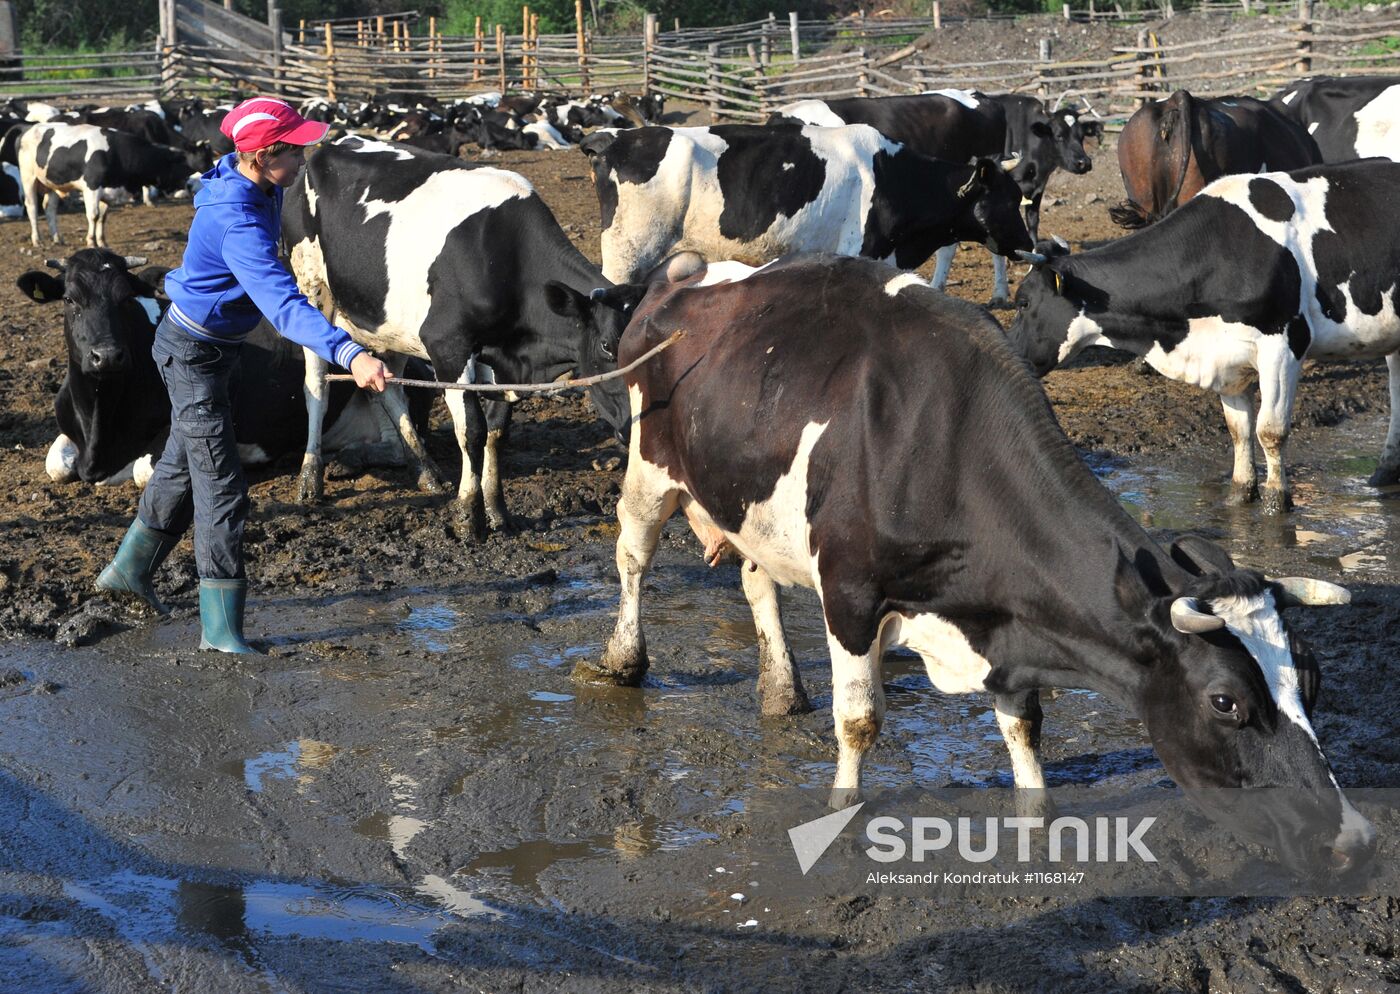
(409, 793)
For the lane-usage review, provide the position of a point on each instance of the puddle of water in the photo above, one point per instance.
(526, 861)
(295, 760)
(428, 624)
(146, 908)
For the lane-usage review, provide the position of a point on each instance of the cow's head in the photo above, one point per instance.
(199, 158)
(599, 319)
(104, 322)
(990, 209)
(1051, 319)
(1227, 696)
(1063, 133)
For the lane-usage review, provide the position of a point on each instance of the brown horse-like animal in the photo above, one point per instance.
(1170, 150)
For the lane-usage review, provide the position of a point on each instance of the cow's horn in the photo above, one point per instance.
(132, 261)
(1034, 258)
(58, 264)
(1299, 591)
(1190, 620)
(1011, 163)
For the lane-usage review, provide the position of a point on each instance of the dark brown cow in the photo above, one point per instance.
(1170, 150)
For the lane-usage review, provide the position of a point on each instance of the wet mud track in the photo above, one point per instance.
(409, 793)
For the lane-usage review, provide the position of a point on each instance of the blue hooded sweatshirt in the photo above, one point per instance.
(231, 277)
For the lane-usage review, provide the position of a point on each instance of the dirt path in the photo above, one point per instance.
(409, 794)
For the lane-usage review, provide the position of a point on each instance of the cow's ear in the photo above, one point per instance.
(1041, 129)
(150, 280)
(1091, 129)
(41, 286)
(1200, 557)
(983, 172)
(597, 142)
(565, 300)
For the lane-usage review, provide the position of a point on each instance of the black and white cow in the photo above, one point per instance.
(753, 193)
(68, 157)
(417, 254)
(197, 125)
(112, 409)
(921, 522)
(1355, 117)
(960, 125)
(1246, 280)
(1038, 141)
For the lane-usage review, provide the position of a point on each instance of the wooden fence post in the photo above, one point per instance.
(937, 16)
(863, 75)
(330, 64)
(1303, 66)
(478, 48)
(274, 21)
(582, 46)
(648, 43)
(301, 32)
(770, 28)
(792, 30)
(432, 47)
(535, 50)
(501, 53)
(379, 31)
(712, 81)
(1066, 10)
(1141, 75)
(525, 48)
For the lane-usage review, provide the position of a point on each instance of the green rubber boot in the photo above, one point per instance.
(129, 574)
(221, 616)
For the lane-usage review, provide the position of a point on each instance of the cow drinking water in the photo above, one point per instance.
(846, 429)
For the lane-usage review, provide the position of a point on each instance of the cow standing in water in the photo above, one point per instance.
(849, 430)
(1248, 279)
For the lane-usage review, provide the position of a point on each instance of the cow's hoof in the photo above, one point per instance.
(311, 487)
(999, 304)
(781, 703)
(1243, 493)
(429, 482)
(843, 797)
(501, 521)
(1385, 476)
(471, 520)
(586, 672)
(1277, 501)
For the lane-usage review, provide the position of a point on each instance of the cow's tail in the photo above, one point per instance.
(1178, 120)
(1131, 215)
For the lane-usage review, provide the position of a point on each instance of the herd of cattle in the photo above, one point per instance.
(888, 439)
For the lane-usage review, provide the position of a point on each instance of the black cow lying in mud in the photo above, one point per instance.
(112, 409)
(847, 429)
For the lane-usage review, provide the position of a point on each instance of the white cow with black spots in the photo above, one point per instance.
(1252, 276)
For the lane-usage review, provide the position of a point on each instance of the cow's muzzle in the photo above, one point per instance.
(107, 360)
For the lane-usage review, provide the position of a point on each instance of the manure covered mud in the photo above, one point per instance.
(409, 794)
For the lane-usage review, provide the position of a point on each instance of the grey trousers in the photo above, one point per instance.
(199, 476)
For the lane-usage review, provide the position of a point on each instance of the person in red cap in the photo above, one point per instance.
(229, 280)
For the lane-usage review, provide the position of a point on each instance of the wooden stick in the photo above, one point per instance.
(545, 388)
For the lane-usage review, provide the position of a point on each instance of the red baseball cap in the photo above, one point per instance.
(259, 122)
